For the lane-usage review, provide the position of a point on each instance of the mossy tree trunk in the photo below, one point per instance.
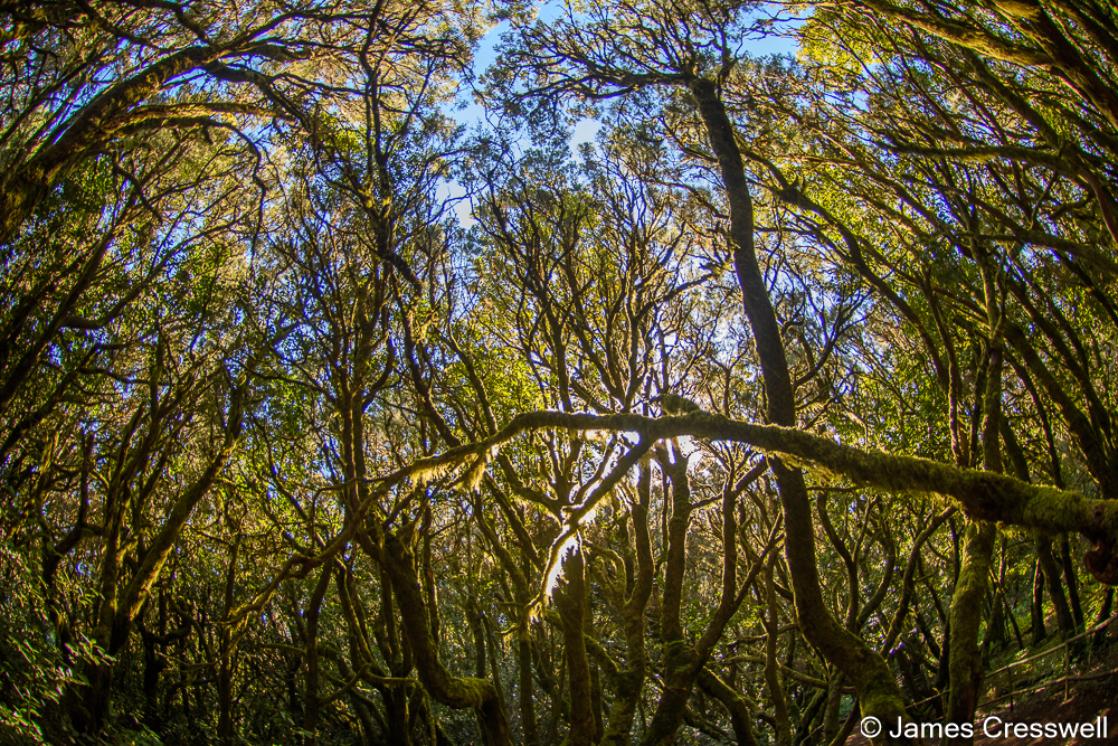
(453, 691)
(967, 603)
(570, 599)
(679, 668)
(967, 607)
(630, 680)
(877, 689)
(310, 657)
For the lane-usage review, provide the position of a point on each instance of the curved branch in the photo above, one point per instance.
(983, 495)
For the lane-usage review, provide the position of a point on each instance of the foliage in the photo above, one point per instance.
(332, 409)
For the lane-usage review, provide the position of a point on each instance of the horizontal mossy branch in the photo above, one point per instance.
(983, 495)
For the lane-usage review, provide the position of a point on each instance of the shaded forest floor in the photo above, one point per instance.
(1090, 692)
(1085, 700)
(1087, 693)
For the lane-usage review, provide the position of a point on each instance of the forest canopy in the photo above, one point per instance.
(674, 371)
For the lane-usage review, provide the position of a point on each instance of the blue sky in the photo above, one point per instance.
(584, 131)
(468, 112)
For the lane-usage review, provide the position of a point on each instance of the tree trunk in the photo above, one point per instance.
(453, 691)
(570, 599)
(877, 689)
(310, 655)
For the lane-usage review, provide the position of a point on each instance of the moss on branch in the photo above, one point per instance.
(983, 495)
